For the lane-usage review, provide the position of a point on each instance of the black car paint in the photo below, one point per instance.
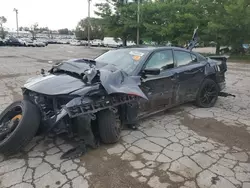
(54, 84)
(13, 42)
(170, 88)
(176, 85)
(60, 82)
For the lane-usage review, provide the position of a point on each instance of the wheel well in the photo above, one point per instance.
(212, 77)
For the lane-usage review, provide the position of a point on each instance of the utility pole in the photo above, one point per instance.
(89, 23)
(138, 22)
(16, 20)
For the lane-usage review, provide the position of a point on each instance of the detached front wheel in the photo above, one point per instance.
(207, 94)
(109, 126)
(19, 123)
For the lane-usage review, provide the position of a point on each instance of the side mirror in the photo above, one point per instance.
(151, 71)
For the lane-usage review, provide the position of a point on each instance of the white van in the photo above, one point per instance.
(110, 42)
(130, 43)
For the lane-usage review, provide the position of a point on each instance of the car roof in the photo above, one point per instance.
(154, 48)
(151, 49)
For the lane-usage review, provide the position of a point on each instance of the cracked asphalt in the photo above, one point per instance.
(185, 147)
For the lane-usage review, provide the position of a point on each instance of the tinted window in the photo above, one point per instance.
(182, 58)
(201, 58)
(162, 60)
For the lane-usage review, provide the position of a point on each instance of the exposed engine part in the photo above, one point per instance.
(49, 106)
(91, 108)
(132, 104)
(92, 116)
(113, 109)
(45, 105)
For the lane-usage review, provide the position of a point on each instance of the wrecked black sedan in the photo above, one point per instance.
(95, 98)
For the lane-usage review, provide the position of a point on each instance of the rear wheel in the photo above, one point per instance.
(109, 126)
(19, 123)
(207, 94)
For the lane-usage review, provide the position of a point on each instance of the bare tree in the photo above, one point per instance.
(2, 21)
(34, 30)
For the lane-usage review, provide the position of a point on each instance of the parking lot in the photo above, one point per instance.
(186, 147)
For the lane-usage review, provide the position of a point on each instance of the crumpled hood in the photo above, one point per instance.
(54, 84)
(112, 79)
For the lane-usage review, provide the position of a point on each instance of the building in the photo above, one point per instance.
(23, 34)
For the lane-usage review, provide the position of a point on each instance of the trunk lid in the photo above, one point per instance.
(221, 62)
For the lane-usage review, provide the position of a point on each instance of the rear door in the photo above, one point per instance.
(190, 73)
(159, 88)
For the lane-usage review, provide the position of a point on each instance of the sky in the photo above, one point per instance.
(54, 14)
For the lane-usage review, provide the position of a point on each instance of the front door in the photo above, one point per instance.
(190, 73)
(158, 88)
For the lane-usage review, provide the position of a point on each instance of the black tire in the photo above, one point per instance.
(109, 126)
(207, 94)
(25, 130)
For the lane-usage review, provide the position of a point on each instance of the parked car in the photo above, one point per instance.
(2, 43)
(13, 42)
(75, 43)
(22, 42)
(45, 41)
(96, 42)
(52, 41)
(111, 42)
(117, 88)
(39, 43)
(28, 42)
(84, 42)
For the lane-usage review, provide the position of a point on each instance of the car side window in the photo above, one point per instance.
(182, 58)
(162, 60)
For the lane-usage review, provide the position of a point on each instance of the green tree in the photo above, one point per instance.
(96, 29)
(160, 21)
(171, 21)
(237, 24)
(228, 23)
(119, 21)
(2, 21)
(24, 28)
(41, 29)
(64, 31)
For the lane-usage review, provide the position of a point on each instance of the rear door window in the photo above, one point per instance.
(182, 58)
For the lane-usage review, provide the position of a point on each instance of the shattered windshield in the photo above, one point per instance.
(124, 59)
